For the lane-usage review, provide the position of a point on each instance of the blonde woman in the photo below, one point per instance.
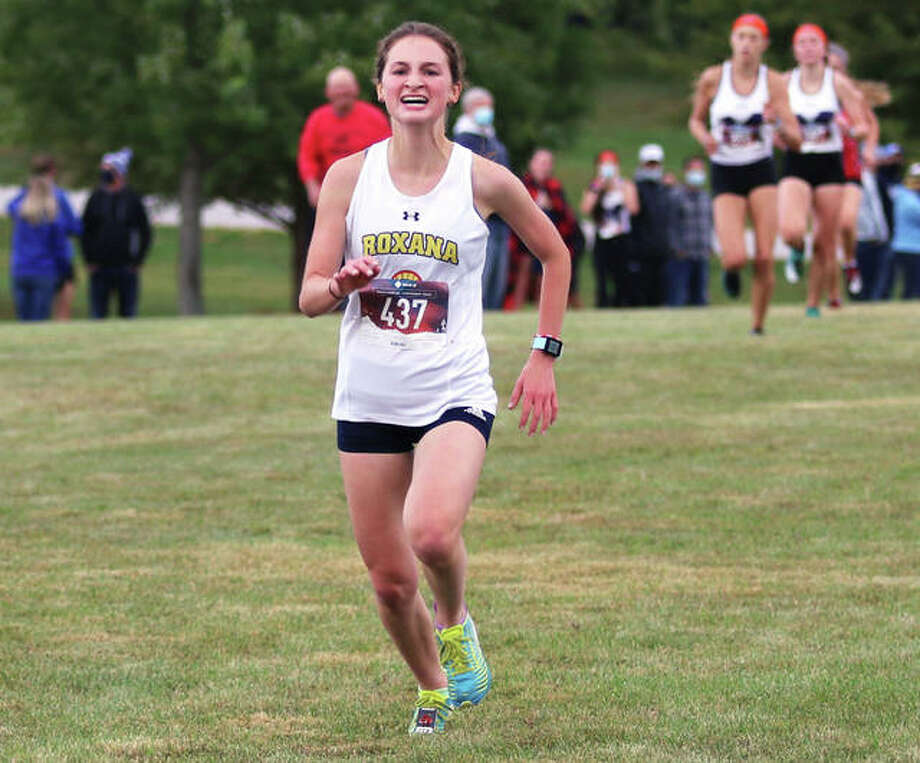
(41, 256)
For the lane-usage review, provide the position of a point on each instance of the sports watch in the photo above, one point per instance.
(548, 344)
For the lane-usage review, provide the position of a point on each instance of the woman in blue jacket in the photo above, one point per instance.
(906, 241)
(41, 253)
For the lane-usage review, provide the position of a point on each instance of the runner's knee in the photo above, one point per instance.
(433, 546)
(394, 590)
(763, 271)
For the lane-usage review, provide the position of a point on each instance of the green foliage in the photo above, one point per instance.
(236, 81)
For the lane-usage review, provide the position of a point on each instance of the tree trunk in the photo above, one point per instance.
(191, 301)
(302, 231)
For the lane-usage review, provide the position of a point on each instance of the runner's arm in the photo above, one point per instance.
(326, 281)
(703, 94)
(497, 190)
(788, 125)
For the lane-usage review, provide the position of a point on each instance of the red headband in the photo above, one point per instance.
(608, 156)
(806, 28)
(752, 19)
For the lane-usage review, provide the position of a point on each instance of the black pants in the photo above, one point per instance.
(124, 281)
(616, 275)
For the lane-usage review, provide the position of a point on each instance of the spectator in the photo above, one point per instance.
(116, 238)
(690, 237)
(873, 253)
(609, 202)
(889, 170)
(343, 126)
(906, 241)
(547, 192)
(41, 256)
(474, 129)
(650, 225)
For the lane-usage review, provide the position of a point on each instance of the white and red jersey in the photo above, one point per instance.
(737, 121)
(817, 114)
(411, 344)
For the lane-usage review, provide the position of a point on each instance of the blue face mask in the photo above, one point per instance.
(608, 170)
(696, 178)
(483, 116)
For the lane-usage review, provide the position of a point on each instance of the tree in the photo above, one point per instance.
(212, 94)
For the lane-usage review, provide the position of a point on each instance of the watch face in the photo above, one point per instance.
(553, 346)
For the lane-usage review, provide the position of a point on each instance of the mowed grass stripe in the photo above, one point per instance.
(713, 554)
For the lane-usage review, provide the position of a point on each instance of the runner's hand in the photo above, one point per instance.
(710, 144)
(354, 275)
(537, 387)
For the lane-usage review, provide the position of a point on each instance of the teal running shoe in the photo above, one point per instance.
(432, 709)
(795, 265)
(469, 677)
(812, 312)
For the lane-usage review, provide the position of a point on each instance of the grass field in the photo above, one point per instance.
(713, 555)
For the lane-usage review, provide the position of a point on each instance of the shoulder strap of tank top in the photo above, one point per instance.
(726, 79)
(831, 85)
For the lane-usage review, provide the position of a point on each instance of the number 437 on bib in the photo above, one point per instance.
(409, 307)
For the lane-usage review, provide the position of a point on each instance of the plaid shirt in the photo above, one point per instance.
(690, 223)
(551, 199)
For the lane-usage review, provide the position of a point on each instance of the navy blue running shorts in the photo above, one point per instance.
(374, 437)
(741, 179)
(815, 169)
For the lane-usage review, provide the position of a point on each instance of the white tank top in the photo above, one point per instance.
(816, 113)
(737, 121)
(411, 343)
(613, 216)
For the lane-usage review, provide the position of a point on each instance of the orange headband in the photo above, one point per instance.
(752, 19)
(806, 28)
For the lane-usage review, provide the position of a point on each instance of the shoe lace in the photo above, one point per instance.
(430, 698)
(453, 651)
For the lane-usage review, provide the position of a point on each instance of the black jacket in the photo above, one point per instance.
(650, 226)
(116, 231)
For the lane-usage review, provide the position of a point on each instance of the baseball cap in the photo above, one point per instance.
(651, 152)
(608, 156)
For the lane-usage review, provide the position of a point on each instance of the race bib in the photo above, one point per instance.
(816, 133)
(405, 311)
(740, 136)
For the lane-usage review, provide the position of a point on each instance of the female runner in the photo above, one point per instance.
(874, 94)
(813, 173)
(414, 400)
(741, 97)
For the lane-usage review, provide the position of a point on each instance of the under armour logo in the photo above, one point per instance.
(413, 215)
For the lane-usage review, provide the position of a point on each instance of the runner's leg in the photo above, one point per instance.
(762, 202)
(376, 485)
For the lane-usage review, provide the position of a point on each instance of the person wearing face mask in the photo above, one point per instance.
(116, 238)
(690, 236)
(650, 225)
(906, 240)
(609, 202)
(475, 129)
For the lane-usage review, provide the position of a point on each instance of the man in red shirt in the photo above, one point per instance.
(341, 127)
